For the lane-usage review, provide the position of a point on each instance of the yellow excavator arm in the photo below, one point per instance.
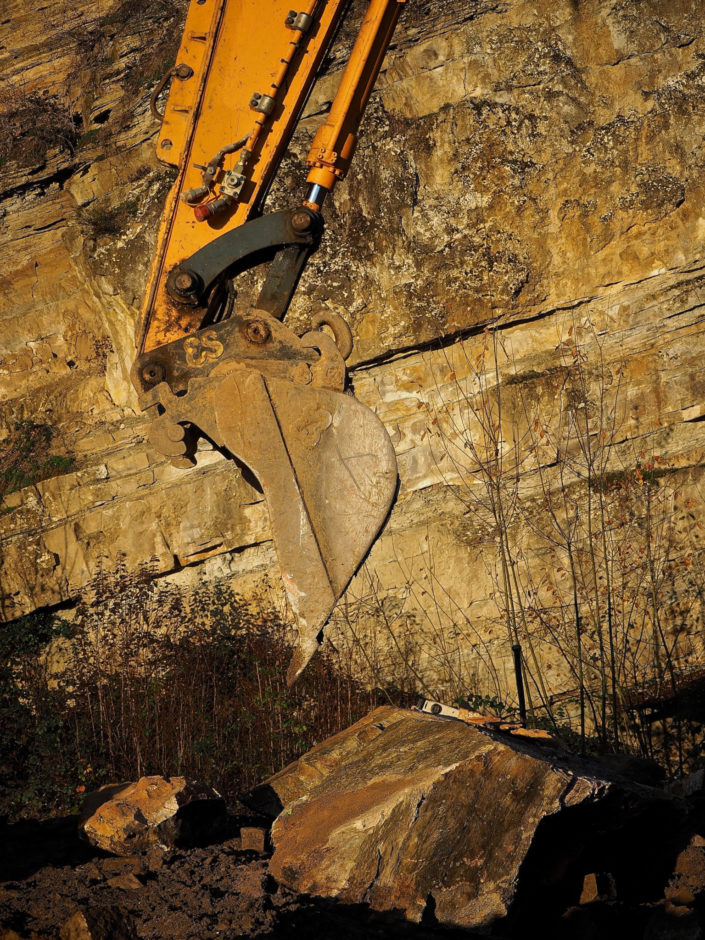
(236, 373)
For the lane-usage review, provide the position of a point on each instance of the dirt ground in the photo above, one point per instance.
(217, 891)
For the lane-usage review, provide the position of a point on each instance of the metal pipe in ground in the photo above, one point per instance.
(516, 650)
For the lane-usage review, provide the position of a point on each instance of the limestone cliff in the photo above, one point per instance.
(519, 251)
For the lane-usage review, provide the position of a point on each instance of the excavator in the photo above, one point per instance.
(220, 363)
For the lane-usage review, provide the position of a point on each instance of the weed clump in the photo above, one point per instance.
(25, 459)
(101, 218)
(32, 124)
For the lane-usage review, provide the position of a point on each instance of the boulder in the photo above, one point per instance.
(444, 822)
(687, 884)
(164, 811)
(99, 923)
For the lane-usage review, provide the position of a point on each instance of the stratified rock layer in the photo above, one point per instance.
(537, 168)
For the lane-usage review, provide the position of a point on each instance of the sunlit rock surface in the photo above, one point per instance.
(441, 822)
(536, 168)
(154, 811)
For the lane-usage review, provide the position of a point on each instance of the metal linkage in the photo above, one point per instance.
(289, 237)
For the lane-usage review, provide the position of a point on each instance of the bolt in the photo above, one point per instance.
(153, 373)
(301, 221)
(183, 71)
(258, 332)
(184, 282)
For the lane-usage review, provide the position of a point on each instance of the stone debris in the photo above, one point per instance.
(434, 818)
(164, 811)
(99, 923)
(253, 839)
(687, 884)
(127, 882)
(404, 825)
(597, 886)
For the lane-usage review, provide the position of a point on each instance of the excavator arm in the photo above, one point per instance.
(234, 372)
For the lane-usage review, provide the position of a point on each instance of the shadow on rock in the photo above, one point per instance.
(318, 917)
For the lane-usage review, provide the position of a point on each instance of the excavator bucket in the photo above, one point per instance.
(324, 461)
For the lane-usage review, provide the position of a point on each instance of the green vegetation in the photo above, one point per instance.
(25, 457)
(138, 683)
(88, 138)
(35, 767)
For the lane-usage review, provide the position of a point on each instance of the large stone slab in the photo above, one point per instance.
(428, 816)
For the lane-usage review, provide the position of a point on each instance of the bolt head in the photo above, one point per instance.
(184, 282)
(153, 373)
(301, 221)
(258, 332)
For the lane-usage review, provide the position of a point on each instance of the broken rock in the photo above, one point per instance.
(687, 883)
(253, 839)
(155, 811)
(99, 923)
(429, 816)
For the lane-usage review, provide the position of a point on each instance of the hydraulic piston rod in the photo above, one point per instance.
(335, 141)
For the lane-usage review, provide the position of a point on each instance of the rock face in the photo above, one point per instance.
(533, 169)
(440, 821)
(128, 818)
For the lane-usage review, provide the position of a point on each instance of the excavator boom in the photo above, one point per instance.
(231, 51)
(234, 372)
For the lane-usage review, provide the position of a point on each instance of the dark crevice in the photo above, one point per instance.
(450, 339)
(40, 186)
(428, 917)
(370, 886)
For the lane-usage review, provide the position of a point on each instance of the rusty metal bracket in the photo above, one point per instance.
(191, 282)
(250, 338)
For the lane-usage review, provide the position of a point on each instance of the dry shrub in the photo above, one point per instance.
(156, 683)
(34, 123)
